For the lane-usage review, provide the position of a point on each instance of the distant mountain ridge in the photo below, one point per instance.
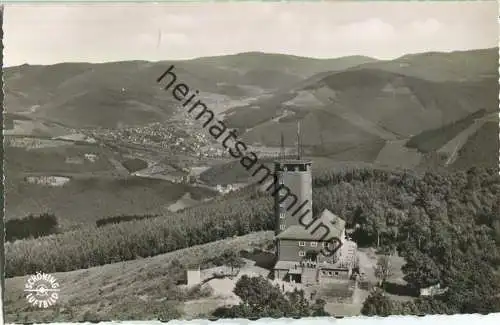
(386, 104)
(349, 107)
(471, 65)
(120, 92)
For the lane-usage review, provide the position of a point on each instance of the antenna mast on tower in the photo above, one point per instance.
(282, 152)
(299, 153)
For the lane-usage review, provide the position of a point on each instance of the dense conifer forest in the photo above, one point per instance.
(31, 226)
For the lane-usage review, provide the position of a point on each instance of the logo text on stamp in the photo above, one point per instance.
(42, 290)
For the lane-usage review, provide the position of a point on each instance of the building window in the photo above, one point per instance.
(302, 243)
(329, 273)
(336, 273)
(302, 253)
(314, 244)
(282, 226)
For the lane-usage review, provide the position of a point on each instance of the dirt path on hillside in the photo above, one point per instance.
(184, 202)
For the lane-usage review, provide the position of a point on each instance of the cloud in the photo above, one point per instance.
(286, 17)
(319, 29)
(179, 21)
(368, 31)
(372, 29)
(426, 27)
(174, 38)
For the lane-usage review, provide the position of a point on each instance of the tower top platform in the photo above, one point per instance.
(293, 161)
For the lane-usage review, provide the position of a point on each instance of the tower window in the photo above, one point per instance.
(282, 226)
(302, 253)
(314, 244)
(282, 215)
(302, 243)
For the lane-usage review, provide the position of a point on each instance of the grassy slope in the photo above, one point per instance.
(113, 290)
(322, 131)
(481, 149)
(404, 104)
(434, 139)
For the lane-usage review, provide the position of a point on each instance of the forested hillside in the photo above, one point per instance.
(451, 237)
(446, 226)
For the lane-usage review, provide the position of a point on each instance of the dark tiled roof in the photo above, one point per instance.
(298, 232)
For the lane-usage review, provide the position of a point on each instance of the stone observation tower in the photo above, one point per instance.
(296, 175)
(300, 238)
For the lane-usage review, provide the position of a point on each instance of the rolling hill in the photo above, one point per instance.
(125, 93)
(472, 65)
(376, 106)
(481, 149)
(382, 103)
(351, 109)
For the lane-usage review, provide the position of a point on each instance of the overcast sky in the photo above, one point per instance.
(48, 34)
